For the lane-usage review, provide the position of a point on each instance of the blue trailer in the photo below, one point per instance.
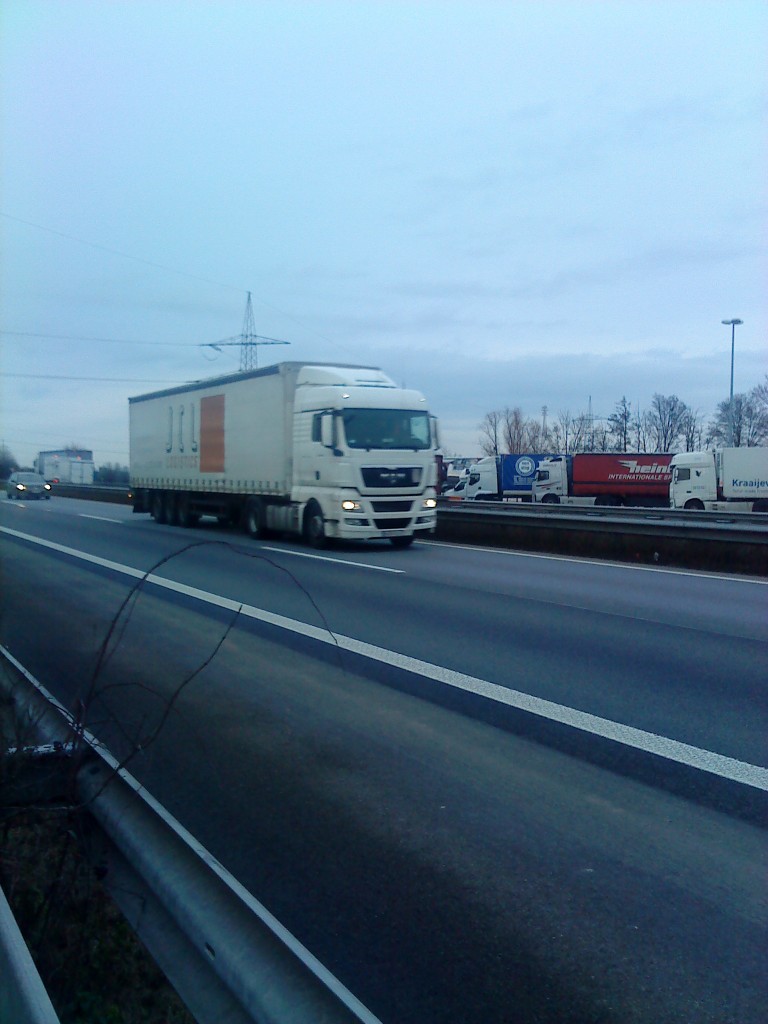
(497, 477)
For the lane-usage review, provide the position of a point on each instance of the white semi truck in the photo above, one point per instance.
(726, 480)
(314, 449)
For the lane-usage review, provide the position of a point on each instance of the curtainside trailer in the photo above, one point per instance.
(313, 449)
(604, 478)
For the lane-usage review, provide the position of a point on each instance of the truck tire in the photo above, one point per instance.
(550, 499)
(158, 507)
(171, 508)
(314, 526)
(185, 517)
(254, 516)
(401, 542)
(694, 505)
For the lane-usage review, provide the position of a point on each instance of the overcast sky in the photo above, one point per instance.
(499, 203)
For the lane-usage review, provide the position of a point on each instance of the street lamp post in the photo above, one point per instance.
(733, 325)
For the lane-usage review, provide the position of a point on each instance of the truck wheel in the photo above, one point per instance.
(761, 505)
(158, 507)
(254, 515)
(186, 518)
(171, 509)
(550, 499)
(401, 542)
(693, 504)
(314, 526)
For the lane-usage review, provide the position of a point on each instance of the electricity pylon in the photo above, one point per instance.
(248, 340)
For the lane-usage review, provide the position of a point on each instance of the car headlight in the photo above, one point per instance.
(47, 487)
(351, 506)
(20, 487)
(429, 503)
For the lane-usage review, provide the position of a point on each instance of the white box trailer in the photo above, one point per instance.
(317, 449)
(63, 467)
(728, 479)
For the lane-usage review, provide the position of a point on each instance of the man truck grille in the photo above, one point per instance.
(381, 476)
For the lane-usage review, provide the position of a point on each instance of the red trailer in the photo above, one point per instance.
(605, 478)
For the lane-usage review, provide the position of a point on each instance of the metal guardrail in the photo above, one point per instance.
(619, 512)
(23, 999)
(119, 495)
(224, 953)
(702, 540)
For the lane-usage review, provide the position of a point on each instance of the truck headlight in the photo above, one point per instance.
(351, 506)
(429, 503)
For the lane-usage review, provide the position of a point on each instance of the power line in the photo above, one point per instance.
(118, 252)
(113, 380)
(108, 341)
(170, 270)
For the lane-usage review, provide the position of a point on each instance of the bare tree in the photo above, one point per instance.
(640, 431)
(692, 431)
(490, 430)
(8, 463)
(750, 421)
(564, 427)
(534, 437)
(619, 425)
(581, 433)
(665, 421)
(514, 430)
(759, 394)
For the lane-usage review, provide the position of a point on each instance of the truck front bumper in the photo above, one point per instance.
(373, 518)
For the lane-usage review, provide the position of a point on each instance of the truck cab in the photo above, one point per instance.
(693, 480)
(550, 485)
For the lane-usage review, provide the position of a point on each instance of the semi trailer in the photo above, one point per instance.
(319, 450)
(604, 478)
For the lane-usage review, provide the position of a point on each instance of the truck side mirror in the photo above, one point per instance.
(435, 432)
(326, 430)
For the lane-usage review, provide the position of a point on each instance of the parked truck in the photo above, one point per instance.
(502, 477)
(730, 479)
(66, 466)
(604, 478)
(313, 449)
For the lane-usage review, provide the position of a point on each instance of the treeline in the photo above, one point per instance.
(111, 474)
(669, 425)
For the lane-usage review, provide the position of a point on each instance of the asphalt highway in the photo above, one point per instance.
(479, 786)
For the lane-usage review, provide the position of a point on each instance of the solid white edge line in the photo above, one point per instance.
(673, 750)
(286, 937)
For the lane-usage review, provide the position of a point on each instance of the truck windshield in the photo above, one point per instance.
(386, 429)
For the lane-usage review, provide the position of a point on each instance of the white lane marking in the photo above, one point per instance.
(328, 558)
(639, 739)
(103, 519)
(761, 581)
(256, 907)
